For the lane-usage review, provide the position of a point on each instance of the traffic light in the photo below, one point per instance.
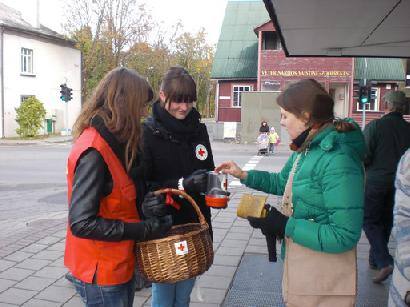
(364, 93)
(69, 94)
(63, 92)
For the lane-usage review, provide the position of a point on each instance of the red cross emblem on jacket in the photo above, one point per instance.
(201, 152)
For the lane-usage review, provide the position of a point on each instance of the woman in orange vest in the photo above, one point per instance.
(103, 222)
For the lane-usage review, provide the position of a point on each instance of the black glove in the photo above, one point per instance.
(152, 228)
(157, 227)
(154, 205)
(273, 224)
(196, 182)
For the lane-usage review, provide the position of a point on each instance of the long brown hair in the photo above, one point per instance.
(119, 99)
(309, 96)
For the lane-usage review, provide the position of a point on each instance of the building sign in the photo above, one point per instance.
(306, 73)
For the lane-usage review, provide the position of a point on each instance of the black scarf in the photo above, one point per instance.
(186, 127)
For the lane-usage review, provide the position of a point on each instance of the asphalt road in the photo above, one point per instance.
(33, 183)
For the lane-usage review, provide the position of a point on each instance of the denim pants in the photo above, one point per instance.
(378, 222)
(94, 295)
(172, 295)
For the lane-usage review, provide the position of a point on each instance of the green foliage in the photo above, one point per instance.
(30, 117)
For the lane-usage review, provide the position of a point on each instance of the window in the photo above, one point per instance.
(270, 86)
(372, 105)
(270, 41)
(237, 89)
(27, 61)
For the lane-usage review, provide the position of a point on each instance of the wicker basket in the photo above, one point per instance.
(186, 252)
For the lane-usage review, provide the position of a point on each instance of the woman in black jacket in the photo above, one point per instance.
(177, 154)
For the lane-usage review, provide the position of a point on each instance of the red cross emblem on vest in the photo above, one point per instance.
(181, 248)
(201, 152)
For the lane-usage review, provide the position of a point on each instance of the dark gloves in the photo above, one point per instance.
(152, 228)
(196, 182)
(154, 205)
(157, 227)
(273, 224)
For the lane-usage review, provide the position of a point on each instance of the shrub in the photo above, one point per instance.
(30, 117)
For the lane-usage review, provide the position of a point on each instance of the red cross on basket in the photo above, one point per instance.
(201, 152)
(181, 247)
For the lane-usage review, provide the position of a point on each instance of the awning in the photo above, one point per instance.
(350, 28)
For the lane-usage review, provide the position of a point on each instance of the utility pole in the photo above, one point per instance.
(364, 104)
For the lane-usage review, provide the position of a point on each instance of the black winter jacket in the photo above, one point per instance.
(170, 151)
(387, 139)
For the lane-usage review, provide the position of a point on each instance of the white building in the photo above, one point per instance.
(34, 61)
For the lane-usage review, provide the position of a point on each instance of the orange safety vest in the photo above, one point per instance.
(112, 263)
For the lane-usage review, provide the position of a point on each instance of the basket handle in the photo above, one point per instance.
(188, 198)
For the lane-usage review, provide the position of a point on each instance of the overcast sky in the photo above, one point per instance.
(193, 14)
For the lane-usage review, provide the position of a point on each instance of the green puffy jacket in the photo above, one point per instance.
(328, 191)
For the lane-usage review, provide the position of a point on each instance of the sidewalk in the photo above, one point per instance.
(32, 270)
(48, 140)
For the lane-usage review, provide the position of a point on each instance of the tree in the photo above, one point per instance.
(104, 30)
(193, 52)
(30, 117)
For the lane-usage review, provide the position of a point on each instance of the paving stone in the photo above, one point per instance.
(34, 248)
(41, 303)
(221, 270)
(230, 251)
(257, 242)
(240, 229)
(224, 219)
(217, 225)
(146, 292)
(51, 272)
(75, 301)
(34, 283)
(238, 236)
(48, 240)
(58, 263)
(56, 294)
(56, 247)
(48, 255)
(7, 305)
(16, 296)
(214, 282)
(4, 264)
(33, 264)
(15, 274)
(234, 243)
(63, 282)
(207, 295)
(18, 256)
(227, 260)
(139, 301)
(257, 249)
(5, 284)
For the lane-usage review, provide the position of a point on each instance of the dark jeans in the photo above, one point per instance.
(378, 222)
(106, 296)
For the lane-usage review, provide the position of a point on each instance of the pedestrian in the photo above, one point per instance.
(273, 139)
(103, 222)
(322, 206)
(387, 139)
(399, 293)
(177, 154)
(264, 128)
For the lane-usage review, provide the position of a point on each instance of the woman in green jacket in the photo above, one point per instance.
(322, 208)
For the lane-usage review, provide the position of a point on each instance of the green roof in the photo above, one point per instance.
(379, 69)
(236, 55)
